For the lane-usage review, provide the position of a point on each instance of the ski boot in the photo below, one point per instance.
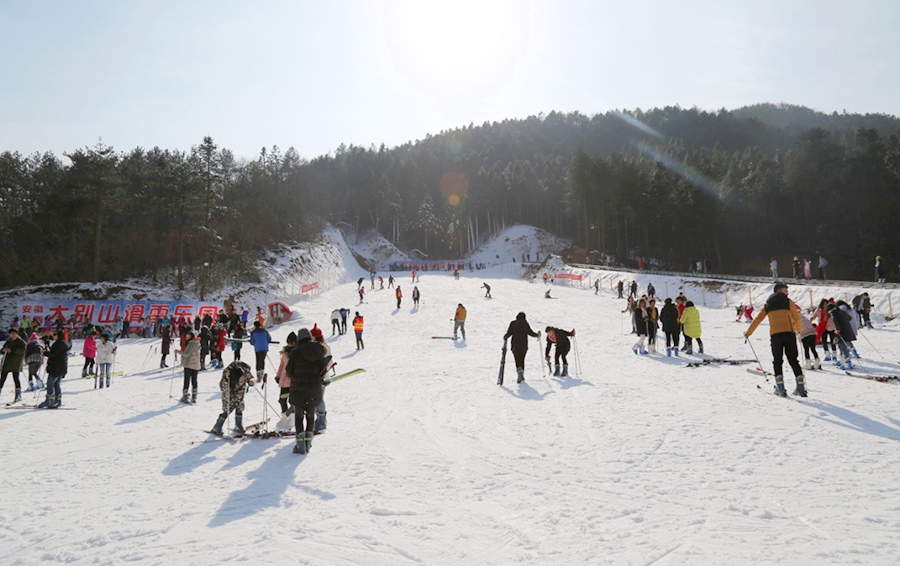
(108, 381)
(217, 428)
(644, 352)
(31, 387)
(321, 422)
(41, 384)
(193, 396)
(675, 351)
(808, 364)
(556, 371)
(46, 403)
(300, 445)
(779, 386)
(184, 397)
(827, 357)
(238, 423)
(688, 351)
(520, 375)
(18, 395)
(801, 386)
(565, 371)
(669, 352)
(700, 350)
(634, 349)
(854, 353)
(818, 364)
(308, 441)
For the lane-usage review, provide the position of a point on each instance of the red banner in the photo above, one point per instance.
(568, 276)
(309, 287)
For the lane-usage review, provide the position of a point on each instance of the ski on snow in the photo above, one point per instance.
(344, 375)
(711, 361)
(37, 407)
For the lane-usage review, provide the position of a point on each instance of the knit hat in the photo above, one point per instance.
(303, 335)
(316, 332)
(33, 337)
(292, 338)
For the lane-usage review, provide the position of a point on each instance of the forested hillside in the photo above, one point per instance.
(732, 187)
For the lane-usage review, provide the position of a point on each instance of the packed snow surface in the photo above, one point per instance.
(426, 460)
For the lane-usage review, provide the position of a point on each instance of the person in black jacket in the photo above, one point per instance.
(14, 356)
(205, 340)
(306, 365)
(57, 364)
(520, 330)
(559, 337)
(669, 319)
(34, 357)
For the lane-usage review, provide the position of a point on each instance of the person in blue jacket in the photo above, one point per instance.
(260, 340)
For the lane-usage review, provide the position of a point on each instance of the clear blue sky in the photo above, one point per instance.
(315, 74)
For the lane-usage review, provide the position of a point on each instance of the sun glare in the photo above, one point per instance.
(455, 46)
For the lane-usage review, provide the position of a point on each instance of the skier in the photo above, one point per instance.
(305, 366)
(359, 283)
(561, 339)
(459, 321)
(822, 263)
(652, 325)
(34, 357)
(89, 351)
(260, 340)
(362, 293)
(380, 283)
(57, 364)
(633, 289)
(390, 281)
(641, 318)
(358, 330)
(845, 332)
(866, 305)
(14, 350)
(596, 286)
(238, 334)
(879, 271)
(651, 291)
(520, 330)
(669, 318)
(399, 294)
(547, 294)
(345, 312)
(205, 338)
(416, 296)
(281, 377)
(487, 291)
(219, 344)
(773, 266)
(629, 308)
(690, 321)
(106, 354)
(321, 414)
(336, 321)
(235, 380)
(808, 339)
(825, 330)
(807, 269)
(784, 322)
(796, 266)
(621, 287)
(190, 361)
(166, 344)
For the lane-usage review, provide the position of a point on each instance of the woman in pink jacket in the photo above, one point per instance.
(89, 351)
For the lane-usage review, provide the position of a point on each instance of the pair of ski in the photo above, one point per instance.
(711, 361)
(93, 375)
(31, 406)
(880, 378)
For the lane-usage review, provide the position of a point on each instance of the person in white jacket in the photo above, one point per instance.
(106, 355)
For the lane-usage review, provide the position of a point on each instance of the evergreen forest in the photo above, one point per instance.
(733, 188)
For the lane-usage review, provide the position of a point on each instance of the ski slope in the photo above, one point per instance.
(634, 460)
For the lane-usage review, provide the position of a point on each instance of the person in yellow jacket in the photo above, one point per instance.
(459, 321)
(784, 324)
(690, 321)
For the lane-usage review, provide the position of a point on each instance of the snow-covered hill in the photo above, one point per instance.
(632, 460)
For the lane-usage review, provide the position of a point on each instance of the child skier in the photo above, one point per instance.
(560, 338)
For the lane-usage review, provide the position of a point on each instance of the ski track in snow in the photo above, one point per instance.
(637, 460)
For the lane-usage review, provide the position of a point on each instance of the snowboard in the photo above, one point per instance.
(502, 363)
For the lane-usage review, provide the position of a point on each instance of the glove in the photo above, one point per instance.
(546, 358)
(573, 332)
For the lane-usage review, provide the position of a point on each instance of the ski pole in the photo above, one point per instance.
(755, 357)
(577, 357)
(872, 345)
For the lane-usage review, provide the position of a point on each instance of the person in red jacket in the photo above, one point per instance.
(399, 296)
(358, 330)
(220, 344)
